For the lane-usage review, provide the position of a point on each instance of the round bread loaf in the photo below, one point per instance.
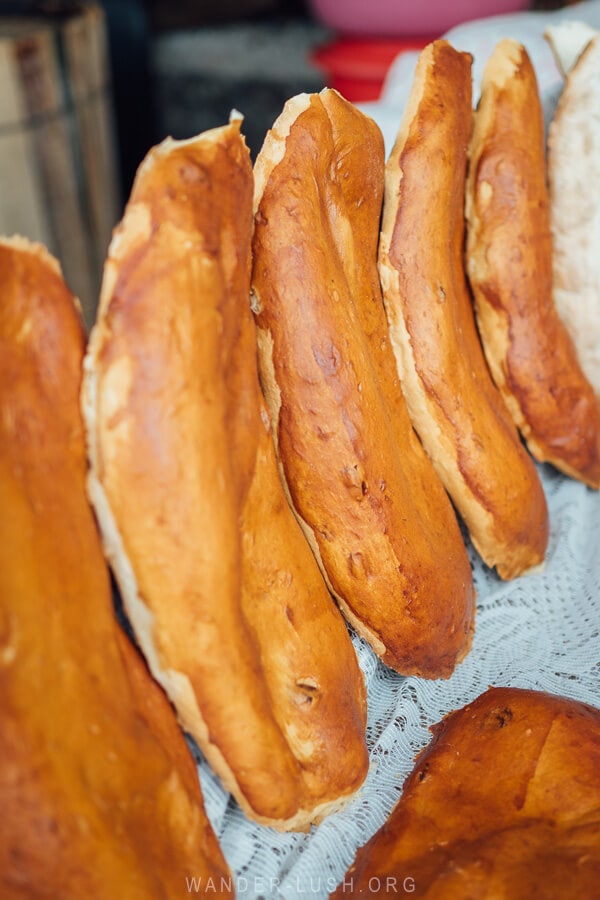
(504, 802)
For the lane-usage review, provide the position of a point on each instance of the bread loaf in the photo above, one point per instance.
(509, 261)
(99, 792)
(455, 408)
(504, 802)
(370, 502)
(220, 585)
(567, 39)
(574, 185)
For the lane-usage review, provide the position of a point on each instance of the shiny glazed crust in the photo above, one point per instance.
(504, 802)
(509, 261)
(368, 498)
(455, 408)
(99, 792)
(227, 602)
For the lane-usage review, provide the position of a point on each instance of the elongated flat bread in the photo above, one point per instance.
(509, 261)
(455, 407)
(574, 184)
(99, 792)
(504, 802)
(370, 502)
(227, 602)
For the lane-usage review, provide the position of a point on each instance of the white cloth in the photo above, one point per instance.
(479, 38)
(539, 631)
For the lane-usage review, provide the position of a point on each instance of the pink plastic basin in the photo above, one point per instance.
(406, 17)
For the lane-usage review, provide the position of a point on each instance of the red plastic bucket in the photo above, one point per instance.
(357, 67)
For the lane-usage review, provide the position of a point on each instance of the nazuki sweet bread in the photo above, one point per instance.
(369, 500)
(509, 261)
(454, 405)
(503, 802)
(99, 792)
(574, 191)
(218, 581)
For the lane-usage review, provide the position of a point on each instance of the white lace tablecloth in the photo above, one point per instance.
(540, 631)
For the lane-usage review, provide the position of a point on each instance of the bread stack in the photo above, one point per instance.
(370, 503)
(505, 801)
(289, 405)
(220, 586)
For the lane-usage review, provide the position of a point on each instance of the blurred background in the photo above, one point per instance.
(86, 88)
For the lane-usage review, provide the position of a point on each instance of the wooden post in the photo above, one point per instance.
(58, 171)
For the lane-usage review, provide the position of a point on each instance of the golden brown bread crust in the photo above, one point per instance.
(456, 409)
(369, 500)
(99, 792)
(504, 802)
(509, 261)
(228, 604)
